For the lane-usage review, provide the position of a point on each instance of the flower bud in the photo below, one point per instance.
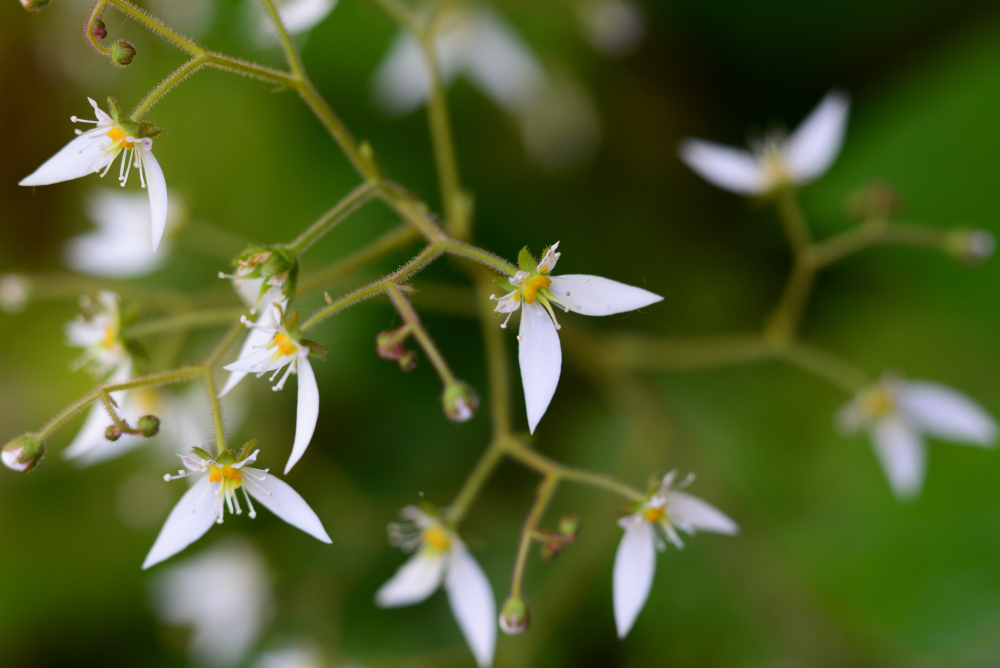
(122, 53)
(23, 453)
(15, 291)
(113, 432)
(875, 200)
(389, 346)
(460, 402)
(569, 525)
(34, 5)
(515, 616)
(970, 246)
(99, 30)
(149, 425)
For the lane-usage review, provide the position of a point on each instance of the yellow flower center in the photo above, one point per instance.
(118, 136)
(774, 164)
(654, 515)
(878, 403)
(437, 538)
(110, 335)
(284, 344)
(227, 475)
(533, 285)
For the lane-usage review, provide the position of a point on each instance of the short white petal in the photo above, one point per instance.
(415, 580)
(945, 413)
(632, 578)
(283, 501)
(594, 295)
(728, 168)
(307, 412)
(255, 339)
(78, 158)
(193, 515)
(815, 144)
(401, 83)
(258, 360)
(903, 456)
(691, 511)
(301, 15)
(540, 358)
(471, 597)
(157, 187)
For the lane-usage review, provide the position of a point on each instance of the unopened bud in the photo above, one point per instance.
(23, 453)
(389, 346)
(100, 31)
(112, 433)
(14, 293)
(122, 53)
(149, 425)
(569, 525)
(34, 5)
(875, 200)
(970, 246)
(408, 361)
(515, 616)
(460, 402)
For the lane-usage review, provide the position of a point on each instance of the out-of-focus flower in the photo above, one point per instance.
(442, 559)
(224, 595)
(280, 349)
(97, 149)
(777, 161)
(121, 246)
(668, 510)
(558, 121)
(898, 414)
(205, 502)
(613, 27)
(99, 334)
(298, 16)
(539, 352)
(300, 655)
(15, 291)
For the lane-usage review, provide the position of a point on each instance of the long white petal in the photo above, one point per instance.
(255, 339)
(816, 143)
(499, 62)
(632, 578)
(540, 358)
(945, 413)
(594, 295)
(690, 511)
(157, 187)
(307, 412)
(193, 515)
(903, 456)
(728, 168)
(415, 580)
(471, 597)
(401, 83)
(78, 158)
(283, 501)
(91, 434)
(258, 360)
(301, 15)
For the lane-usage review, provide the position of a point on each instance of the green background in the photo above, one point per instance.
(829, 570)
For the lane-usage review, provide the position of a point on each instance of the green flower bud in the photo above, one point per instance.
(970, 246)
(99, 30)
(460, 402)
(515, 616)
(122, 53)
(112, 433)
(23, 453)
(149, 425)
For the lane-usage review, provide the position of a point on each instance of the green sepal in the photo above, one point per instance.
(114, 109)
(526, 262)
(430, 510)
(202, 452)
(247, 448)
(315, 349)
(504, 284)
(146, 129)
(292, 322)
(226, 458)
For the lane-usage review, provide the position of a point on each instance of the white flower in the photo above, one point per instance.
(99, 334)
(898, 414)
(442, 559)
(297, 16)
(120, 247)
(97, 150)
(613, 27)
(275, 349)
(15, 290)
(205, 502)
(778, 161)
(301, 655)
(224, 595)
(635, 562)
(539, 353)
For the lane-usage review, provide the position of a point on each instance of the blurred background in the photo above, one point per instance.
(830, 570)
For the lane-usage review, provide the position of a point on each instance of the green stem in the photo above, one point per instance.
(792, 220)
(190, 320)
(497, 367)
(474, 483)
(791, 306)
(411, 210)
(546, 466)
(158, 27)
(546, 490)
(388, 242)
(213, 398)
(827, 366)
(110, 408)
(178, 75)
(418, 332)
(462, 249)
(633, 351)
(291, 53)
(345, 207)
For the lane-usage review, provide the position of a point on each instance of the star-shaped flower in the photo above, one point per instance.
(539, 352)
(280, 346)
(898, 414)
(667, 510)
(97, 149)
(204, 504)
(441, 558)
(777, 161)
(99, 334)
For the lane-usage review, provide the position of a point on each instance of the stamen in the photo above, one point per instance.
(504, 325)
(288, 372)
(246, 495)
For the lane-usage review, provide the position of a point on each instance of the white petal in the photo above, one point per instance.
(594, 295)
(80, 157)
(193, 515)
(728, 168)
(632, 578)
(540, 358)
(499, 62)
(283, 501)
(157, 187)
(259, 360)
(255, 339)
(415, 580)
(307, 412)
(903, 456)
(401, 83)
(91, 434)
(945, 413)
(690, 511)
(815, 144)
(301, 15)
(472, 603)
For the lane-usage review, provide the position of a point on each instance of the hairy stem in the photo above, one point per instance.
(546, 490)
